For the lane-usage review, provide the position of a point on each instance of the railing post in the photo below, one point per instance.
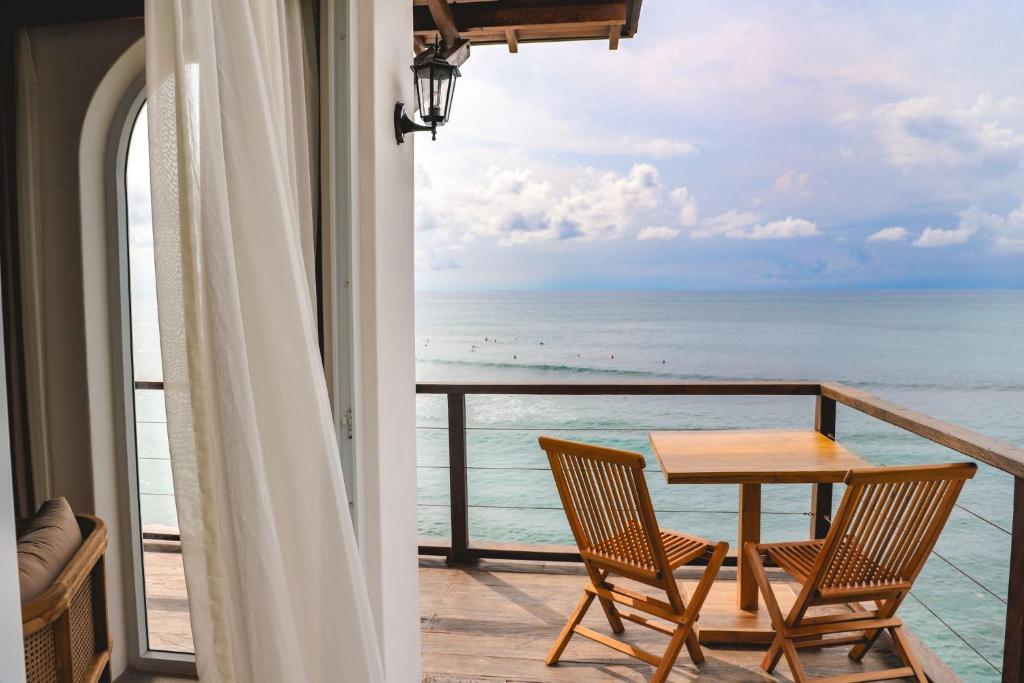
(458, 484)
(1013, 645)
(821, 494)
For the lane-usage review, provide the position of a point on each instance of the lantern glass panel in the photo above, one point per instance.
(435, 83)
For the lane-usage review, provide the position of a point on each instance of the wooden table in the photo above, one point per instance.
(750, 458)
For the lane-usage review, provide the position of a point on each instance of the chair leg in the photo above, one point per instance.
(906, 652)
(796, 667)
(692, 638)
(692, 609)
(781, 645)
(885, 611)
(668, 660)
(772, 657)
(574, 619)
(597, 577)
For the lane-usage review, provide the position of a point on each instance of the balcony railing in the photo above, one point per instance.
(1005, 457)
(1002, 456)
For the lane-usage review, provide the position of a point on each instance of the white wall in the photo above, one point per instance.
(106, 427)
(380, 41)
(72, 79)
(12, 654)
(59, 68)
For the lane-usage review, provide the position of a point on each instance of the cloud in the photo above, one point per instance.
(893, 234)
(657, 233)
(1010, 232)
(791, 181)
(748, 226)
(517, 207)
(1006, 232)
(971, 221)
(941, 237)
(687, 206)
(929, 131)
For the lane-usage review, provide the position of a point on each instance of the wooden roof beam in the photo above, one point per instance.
(501, 15)
(441, 13)
(512, 40)
(613, 36)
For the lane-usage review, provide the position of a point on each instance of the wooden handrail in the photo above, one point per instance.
(998, 454)
(657, 388)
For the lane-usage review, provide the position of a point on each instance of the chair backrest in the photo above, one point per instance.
(606, 500)
(886, 525)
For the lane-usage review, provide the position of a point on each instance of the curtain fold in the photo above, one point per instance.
(275, 583)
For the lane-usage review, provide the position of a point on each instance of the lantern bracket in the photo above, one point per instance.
(403, 124)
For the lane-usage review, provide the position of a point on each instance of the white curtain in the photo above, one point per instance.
(275, 583)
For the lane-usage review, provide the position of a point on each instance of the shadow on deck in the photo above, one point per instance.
(496, 621)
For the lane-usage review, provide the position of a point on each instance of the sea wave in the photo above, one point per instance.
(874, 385)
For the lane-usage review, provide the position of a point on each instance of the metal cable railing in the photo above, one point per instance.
(956, 633)
(1006, 458)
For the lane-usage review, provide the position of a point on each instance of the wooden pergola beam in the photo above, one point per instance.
(613, 37)
(500, 15)
(512, 40)
(441, 14)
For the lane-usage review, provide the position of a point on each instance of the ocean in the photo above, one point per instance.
(954, 355)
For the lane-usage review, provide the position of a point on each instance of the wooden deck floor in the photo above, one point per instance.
(495, 622)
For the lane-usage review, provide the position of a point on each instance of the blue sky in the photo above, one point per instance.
(740, 145)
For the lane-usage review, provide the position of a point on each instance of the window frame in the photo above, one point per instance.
(140, 655)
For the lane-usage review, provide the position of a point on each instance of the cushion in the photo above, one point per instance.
(46, 546)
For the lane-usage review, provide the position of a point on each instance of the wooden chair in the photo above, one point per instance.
(605, 497)
(886, 525)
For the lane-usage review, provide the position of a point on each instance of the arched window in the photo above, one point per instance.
(167, 626)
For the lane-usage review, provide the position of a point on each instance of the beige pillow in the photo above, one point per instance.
(46, 546)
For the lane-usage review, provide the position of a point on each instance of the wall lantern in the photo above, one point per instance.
(434, 80)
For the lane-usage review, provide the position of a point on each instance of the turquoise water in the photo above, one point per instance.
(958, 356)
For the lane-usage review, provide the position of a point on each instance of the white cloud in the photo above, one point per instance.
(748, 226)
(657, 233)
(929, 131)
(785, 229)
(791, 181)
(971, 221)
(517, 207)
(1010, 232)
(1007, 232)
(893, 234)
(687, 206)
(942, 237)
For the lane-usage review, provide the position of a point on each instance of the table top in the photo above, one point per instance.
(752, 456)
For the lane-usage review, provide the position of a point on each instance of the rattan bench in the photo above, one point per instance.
(66, 635)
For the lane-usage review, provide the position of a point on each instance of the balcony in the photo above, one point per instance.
(490, 609)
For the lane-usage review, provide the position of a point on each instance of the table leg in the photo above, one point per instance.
(749, 532)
